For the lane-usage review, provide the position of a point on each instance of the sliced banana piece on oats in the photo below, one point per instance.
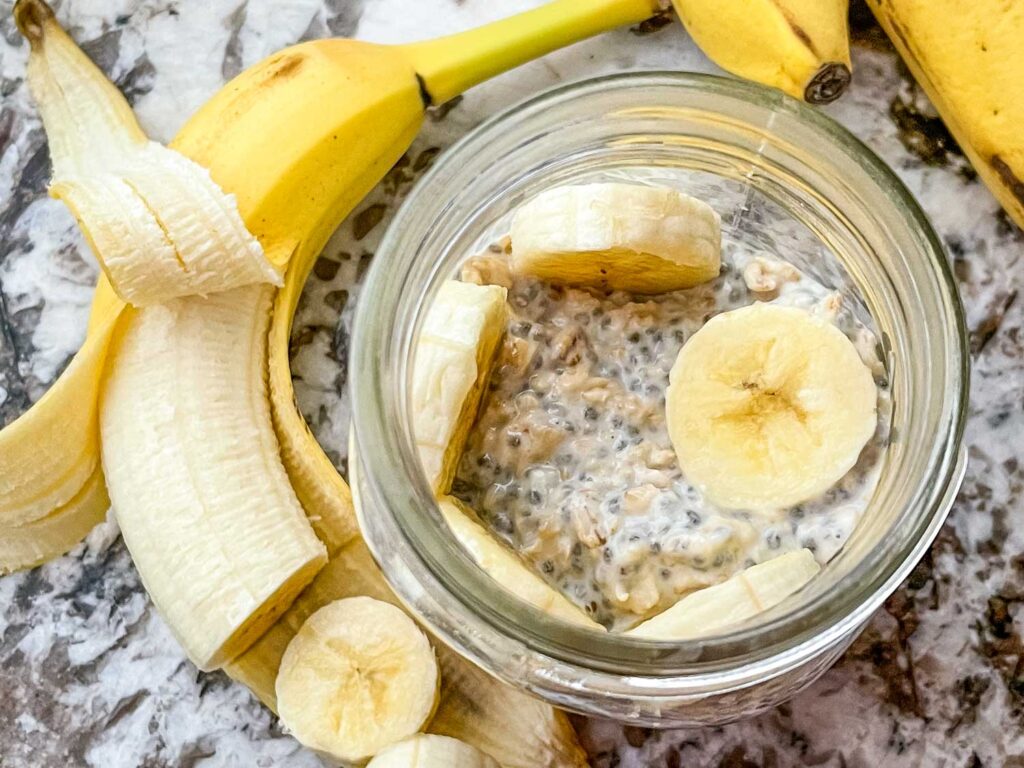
(426, 750)
(769, 406)
(744, 595)
(358, 676)
(617, 236)
(454, 354)
(506, 568)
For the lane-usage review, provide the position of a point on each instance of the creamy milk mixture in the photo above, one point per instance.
(570, 460)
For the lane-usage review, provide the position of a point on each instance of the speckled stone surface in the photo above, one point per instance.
(90, 675)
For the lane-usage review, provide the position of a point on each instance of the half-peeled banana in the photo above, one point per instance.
(645, 239)
(768, 406)
(744, 595)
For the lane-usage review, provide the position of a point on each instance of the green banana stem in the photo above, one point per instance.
(449, 65)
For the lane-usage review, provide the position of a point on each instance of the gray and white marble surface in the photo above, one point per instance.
(89, 673)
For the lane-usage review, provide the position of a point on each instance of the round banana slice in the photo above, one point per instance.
(428, 751)
(768, 406)
(357, 677)
(617, 236)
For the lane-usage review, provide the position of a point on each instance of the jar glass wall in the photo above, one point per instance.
(786, 179)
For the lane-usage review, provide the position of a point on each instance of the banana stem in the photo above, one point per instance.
(449, 65)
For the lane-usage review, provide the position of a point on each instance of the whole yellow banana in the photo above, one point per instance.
(969, 58)
(799, 46)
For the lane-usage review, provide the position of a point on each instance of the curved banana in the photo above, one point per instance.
(801, 47)
(969, 59)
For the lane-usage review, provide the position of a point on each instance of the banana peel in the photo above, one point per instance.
(969, 59)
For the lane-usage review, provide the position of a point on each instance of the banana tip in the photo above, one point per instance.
(31, 16)
(828, 83)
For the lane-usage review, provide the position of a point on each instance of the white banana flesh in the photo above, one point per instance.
(517, 730)
(769, 406)
(502, 564)
(430, 751)
(195, 475)
(454, 353)
(645, 239)
(357, 677)
(158, 224)
(714, 609)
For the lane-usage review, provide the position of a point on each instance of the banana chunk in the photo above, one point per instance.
(357, 677)
(454, 353)
(617, 236)
(768, 406)
(749, 592)
(194, 471)
(429, 751)
(499, 562)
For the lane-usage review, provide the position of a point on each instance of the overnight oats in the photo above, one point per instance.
(640, 427)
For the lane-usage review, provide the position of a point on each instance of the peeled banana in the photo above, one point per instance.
(429, 751)
(515, 729)
(454, 352)
(194, 473)
(969, 59)
(358, 676)
(499, 562)
(741, 597)
(617, 236)
(801, 47)
(768, 406)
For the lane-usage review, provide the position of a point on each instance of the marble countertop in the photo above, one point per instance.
(90, 675)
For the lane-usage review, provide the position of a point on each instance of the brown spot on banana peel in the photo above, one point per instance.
(1009, 179)
(31, 17)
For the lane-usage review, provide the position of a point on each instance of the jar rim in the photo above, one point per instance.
(379, 362)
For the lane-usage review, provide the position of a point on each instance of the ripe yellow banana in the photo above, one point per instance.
(348, 110)
(801, 47)
(969, 58)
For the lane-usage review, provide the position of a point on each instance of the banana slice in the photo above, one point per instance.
(357, 677)
(499, 562)
(159, 225)
(429, 751)
(195, 475)
(749, 592)
(454, 353)
(768, 406)
(617, 236)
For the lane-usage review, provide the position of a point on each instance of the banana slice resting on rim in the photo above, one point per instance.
(744, 595)
(645, 239)
(769, 406)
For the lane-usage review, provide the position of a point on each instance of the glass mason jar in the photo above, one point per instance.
(785, 178)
